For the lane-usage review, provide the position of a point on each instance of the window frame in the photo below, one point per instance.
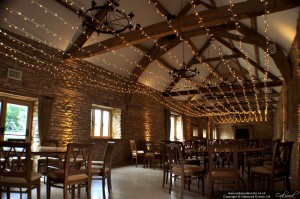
(102, 109)
(8, 100)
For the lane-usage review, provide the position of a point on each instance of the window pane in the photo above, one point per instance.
(172, 129)
(16, 121)
(105, 123)
(97, 122)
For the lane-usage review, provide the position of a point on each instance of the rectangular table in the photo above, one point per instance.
(48, 150)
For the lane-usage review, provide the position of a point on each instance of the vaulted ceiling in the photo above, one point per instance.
(238, 46)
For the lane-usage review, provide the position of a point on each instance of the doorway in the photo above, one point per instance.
(242, 133)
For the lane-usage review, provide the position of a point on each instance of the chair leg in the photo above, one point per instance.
(73, 191)
(252, 181)
(38, 191)
(109, 183)
(89, 189)
(65, 192)
(79, 190)
(48, 190)
(170, 185)
(182, 186)
(28, 192)
(103, 185)
(164, 178)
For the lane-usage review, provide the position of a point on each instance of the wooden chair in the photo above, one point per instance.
(151, 154)
(223, 166)
(19, 174)
(44, 162)
(265, 156)
(280, 168)
(135, 153)
(165, 163)
(186, 172)
(104, 170)
(77, 170)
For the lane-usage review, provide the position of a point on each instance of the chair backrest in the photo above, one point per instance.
(108, 154)
(53, 143)
(253, 143)
(225, 155)
(149, 147)
(212, 142)
(200, 145)
(133, 146)
(78, 159)
(22, 167)
(282, 156)
(175, 155)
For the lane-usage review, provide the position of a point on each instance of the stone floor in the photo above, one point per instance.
(136, 183)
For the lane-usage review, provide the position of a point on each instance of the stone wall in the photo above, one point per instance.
(74, 87)
(288, 112)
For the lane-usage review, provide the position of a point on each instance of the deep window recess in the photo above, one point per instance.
(105, 122)
(176, 130)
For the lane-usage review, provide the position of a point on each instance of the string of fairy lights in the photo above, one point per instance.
(56, 34)
(133, 86)
(267, 55)
(177, 32)
(236, 22)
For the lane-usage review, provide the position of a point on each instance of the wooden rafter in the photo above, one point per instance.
(159, 59)
(212, 59)
(153, 54)
(252, 62)
(224, 88)
(211, 17)
(156, 51)
(86, 33)
(232, 99)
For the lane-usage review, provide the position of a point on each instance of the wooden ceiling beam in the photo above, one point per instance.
(86, 32)
(211, 17)
(156, 51)
(203, 90)
(226, 75)
(153, 54)
(232, 99)
(237, 107)
(279, 57)
(68, 6)
(253, 63)
(212, 59)
(159, 59)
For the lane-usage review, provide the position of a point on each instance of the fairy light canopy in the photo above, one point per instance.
(227, 69)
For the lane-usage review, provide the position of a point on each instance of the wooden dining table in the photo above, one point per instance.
(48, 150)
(242, 151)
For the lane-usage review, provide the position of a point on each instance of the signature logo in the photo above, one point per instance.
(287, 194)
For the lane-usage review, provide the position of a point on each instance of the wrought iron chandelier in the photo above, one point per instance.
(106, 19)
(184, 72)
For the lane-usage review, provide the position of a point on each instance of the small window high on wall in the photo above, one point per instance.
(176, 131)
(105, 122)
